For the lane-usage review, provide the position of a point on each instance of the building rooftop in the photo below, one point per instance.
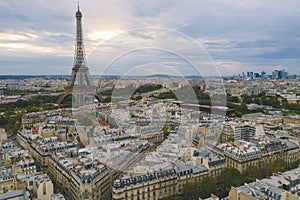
(273, 187)
(16, 194)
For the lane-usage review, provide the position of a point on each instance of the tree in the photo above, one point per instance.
(252, 173)
(207, 187)
(232, 99)
(173, 198)
(147, 88)
(191, 191)
(229, 177)
(265, 169)
(239, 109)
(167, 95)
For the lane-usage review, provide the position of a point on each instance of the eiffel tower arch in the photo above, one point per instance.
(80, 86)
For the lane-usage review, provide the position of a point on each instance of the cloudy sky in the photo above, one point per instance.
(38, 36)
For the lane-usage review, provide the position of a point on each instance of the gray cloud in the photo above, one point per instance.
(36, 35)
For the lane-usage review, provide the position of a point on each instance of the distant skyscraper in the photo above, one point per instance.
(250, 74)
(279, 74)
(263, 74)
(275, 74)
(282, 74)
(243, 75)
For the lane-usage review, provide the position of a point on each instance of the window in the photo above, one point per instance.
(44, 189)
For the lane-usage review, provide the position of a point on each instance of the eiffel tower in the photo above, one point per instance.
(80, 87)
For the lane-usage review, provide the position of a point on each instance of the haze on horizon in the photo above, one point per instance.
(38, 36)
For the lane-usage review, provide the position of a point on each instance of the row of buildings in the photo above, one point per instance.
(284, 185)
(276, 74)
(19, 174)
(139, 159)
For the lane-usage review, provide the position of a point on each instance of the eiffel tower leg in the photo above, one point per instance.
(63, 96)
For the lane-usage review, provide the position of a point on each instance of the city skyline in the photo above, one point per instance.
(157, 100)
(38, 38)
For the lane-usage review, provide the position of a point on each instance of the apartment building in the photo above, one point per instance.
(242, 154)
(279, 186)
(79, 177)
